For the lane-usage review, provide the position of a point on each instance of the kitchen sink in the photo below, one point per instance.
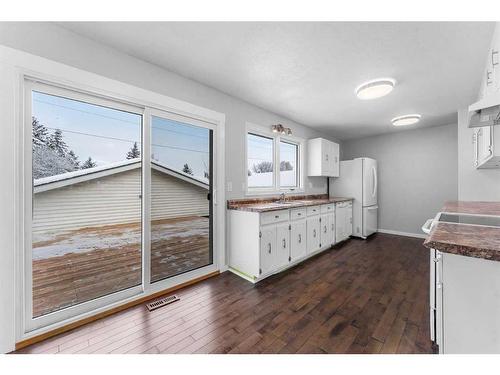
(457, 218)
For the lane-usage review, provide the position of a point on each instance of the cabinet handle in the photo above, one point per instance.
(332, 228)
(324, 231)
(314, 232)
(300, 238)
(277, 217)
(269, 248)
(284, 243)
(326, 157)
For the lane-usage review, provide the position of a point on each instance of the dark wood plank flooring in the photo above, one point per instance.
(358, 297)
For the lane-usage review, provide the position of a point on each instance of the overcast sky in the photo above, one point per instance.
(107, 134)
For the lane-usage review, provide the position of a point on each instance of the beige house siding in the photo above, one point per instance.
(115, 199)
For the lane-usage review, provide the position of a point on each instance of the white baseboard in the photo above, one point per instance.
(406, 234)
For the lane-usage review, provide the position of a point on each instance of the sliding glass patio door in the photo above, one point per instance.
(118, 203)
(181, 196)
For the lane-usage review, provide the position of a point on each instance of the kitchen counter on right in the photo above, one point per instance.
(464, 239)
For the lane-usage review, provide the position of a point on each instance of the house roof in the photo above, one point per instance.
(81, 175)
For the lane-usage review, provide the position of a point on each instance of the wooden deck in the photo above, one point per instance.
(177, 245)
(359, 297)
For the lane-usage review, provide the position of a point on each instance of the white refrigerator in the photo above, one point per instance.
(358, 179)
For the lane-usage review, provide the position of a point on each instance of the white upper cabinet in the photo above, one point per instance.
(323, 158)
(486, 147)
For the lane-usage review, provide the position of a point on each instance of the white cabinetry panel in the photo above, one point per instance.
(267, 249)
(282, 245)
(323, 158)
(313, 234)
(265, 243)
(298, 240)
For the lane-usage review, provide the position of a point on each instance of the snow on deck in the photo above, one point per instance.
(77, 266)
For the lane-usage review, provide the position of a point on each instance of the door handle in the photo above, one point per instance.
(374, 181)
(269, 248)
(284, 243)
(314, 232)
(300, 238)
(324, 230)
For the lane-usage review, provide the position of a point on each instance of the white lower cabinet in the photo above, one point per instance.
(298, 240)
(343, 221)
(466, 302)
(327, 230)
(261, 244)
(267, 248)
(282, 245)
(313, 234)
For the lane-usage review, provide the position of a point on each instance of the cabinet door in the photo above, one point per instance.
(331, 228)
(335, 168)
(267, 248)
(340, 221)
(326, 158)
(348, 221)
(326, 233)
(298, 238)
(282, 245)
(313, 234)
(484, 144)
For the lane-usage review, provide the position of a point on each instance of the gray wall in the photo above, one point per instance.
(417, 172)
(58, 44)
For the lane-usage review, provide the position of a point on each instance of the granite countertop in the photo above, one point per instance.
(463, 239)
(268, 204)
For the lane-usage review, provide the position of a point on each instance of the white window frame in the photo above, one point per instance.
(26, 68)
(276, 188)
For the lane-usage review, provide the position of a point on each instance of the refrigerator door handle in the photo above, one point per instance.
(372, 208)
(374, 171)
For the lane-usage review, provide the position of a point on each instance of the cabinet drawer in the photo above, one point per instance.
(342, 204)
(274, 217)
(327, 208)
(297, 213)
(313, 210)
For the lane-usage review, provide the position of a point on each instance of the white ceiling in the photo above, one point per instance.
(307, 72)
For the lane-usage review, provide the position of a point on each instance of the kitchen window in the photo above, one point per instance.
(260, 163)
(289, 162)
(273, 162)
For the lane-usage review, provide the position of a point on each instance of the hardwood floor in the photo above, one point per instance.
(358, 297)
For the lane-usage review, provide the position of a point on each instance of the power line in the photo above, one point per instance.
(178, 132)
(91, 113)
(113, 118)
(127, 140)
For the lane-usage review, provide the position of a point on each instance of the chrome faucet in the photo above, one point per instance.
(282, 198)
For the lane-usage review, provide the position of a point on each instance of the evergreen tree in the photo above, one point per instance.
(187, 169)
(263, 167)
(39, 132)
(134, 152)
(56, 143)
(89, 163)
(73, 159)
(286, 166)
